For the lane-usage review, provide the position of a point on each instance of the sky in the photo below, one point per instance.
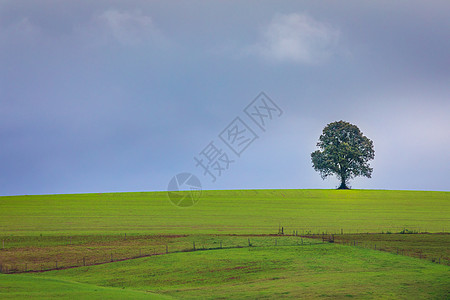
(113, 96)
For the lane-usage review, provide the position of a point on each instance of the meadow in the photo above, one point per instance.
(235, 211)
(309, 271)
(248, 244)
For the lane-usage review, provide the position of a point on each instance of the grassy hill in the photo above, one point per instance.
(69, 231)
(316, 271)
(34, 287)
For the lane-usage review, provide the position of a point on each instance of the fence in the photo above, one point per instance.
(89, 256)
(237, 241)
(380, 246)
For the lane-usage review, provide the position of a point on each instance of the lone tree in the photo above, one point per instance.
(344, 151)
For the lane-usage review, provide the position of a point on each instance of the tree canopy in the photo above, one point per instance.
(344, 152)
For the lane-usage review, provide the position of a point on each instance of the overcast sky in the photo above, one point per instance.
(105, 96)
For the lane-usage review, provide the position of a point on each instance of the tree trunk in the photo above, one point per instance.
(343, 186)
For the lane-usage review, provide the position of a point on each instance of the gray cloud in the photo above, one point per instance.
(296, 38)
(128, 28)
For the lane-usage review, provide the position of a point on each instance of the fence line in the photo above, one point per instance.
(373, 246)
(49, 265)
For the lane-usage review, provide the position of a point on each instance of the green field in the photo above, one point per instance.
(139, 245)
(239, 211)
(29, 287)
(322, 270)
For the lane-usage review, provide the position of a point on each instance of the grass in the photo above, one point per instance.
(317, 271)
(236, 211)
(34, 287)
(37, 231)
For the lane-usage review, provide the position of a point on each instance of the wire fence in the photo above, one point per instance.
(59, 262)
(384, 246)
(87, 255)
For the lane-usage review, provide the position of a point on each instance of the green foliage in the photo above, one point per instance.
(344, 152)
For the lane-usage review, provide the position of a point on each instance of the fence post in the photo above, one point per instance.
(167, 249)
(140, 253)
(56, 264)
(193, 245)
(249, 244)
(84, 260)
(111, 257)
